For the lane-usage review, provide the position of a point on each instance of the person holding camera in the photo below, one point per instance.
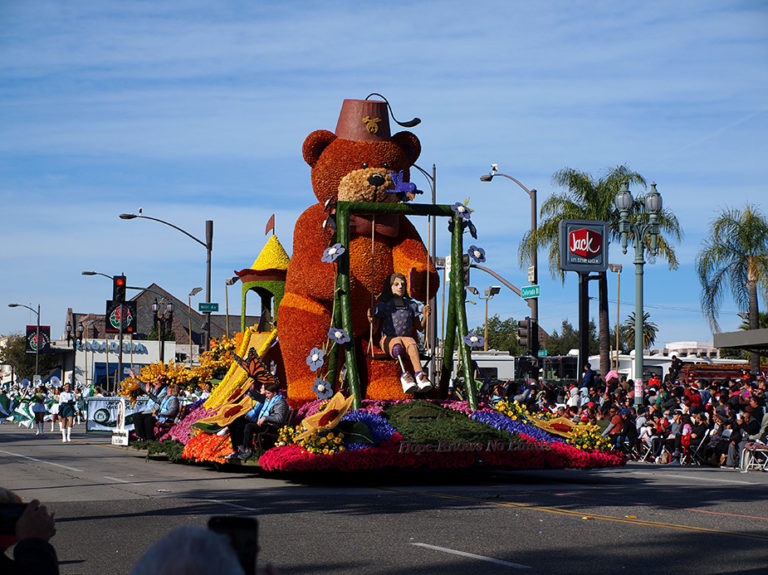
(32, 554)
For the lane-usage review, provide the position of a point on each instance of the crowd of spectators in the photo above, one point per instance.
(710, 421)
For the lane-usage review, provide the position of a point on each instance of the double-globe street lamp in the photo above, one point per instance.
(37, 333)
(534, 304)
(192, 293)
(208, 245)
(75, 338)
(644, 227)
(163, 319)
(228, 282)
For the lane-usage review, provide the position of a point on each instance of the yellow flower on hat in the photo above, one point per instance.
(327, 418)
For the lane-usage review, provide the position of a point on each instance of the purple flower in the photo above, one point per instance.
(474, 340)
(379, 427)
(500, 421)
(322, 389)
(472, 228)
(477, 254)
(461, 210)
(315, 359)
(403, 189)
(338, 335)
(330, 254)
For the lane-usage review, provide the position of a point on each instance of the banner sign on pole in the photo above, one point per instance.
(102, 413)
(112, 319)
(42, 346)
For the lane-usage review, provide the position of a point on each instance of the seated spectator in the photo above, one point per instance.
(169, 406)
(237, 427)
(674, 435)
(628, 433)
(271, 417)
(747, 426)
(32, 554)
(615, 425)
(719, 441)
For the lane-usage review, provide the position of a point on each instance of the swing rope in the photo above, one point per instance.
(373, 301)
(426, 302)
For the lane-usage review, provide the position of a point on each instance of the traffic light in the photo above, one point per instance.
(118, 289)
(465, 266)
(533, 338)
(524, 334)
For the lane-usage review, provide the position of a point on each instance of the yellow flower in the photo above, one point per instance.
(329, 417)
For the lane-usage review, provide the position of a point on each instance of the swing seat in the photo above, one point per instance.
(378, 353)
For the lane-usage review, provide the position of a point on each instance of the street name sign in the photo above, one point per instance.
(207, 307)
(527, 292)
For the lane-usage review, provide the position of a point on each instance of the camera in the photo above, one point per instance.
(9, 514)
(243, 537)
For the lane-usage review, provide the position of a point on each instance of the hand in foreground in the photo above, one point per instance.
(35, 522)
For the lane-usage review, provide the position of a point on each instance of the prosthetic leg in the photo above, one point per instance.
(406, 379)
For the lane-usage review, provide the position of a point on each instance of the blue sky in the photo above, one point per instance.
(197, 110)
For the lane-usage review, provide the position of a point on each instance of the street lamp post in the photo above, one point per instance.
(37, 333)
(431, 335)
(533, 302)
(194, 292)
(639, 230)
(489, 293)
(75, 337)
(119, 377)
(163, 319)
(616, 268)
(208, 245)
(228, 282)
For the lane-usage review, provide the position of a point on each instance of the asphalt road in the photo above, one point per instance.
(112, 503)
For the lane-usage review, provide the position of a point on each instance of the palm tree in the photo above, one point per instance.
(735, 256)
(650, 329)
(588, 198)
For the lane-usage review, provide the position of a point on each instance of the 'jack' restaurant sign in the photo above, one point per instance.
(583, 245)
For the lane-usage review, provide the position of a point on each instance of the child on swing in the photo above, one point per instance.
(394, 314)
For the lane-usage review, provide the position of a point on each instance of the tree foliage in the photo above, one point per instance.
(735, 258)
(502, 335)
(568, 338)
(23, 364)
(627, 331)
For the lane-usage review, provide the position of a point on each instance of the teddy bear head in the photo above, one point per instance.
(357, 162)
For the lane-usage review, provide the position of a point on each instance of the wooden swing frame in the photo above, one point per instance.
(456, 315)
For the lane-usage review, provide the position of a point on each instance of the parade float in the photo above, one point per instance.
(349, 410)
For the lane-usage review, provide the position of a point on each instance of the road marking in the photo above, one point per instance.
(714, 480)
(228, 504)
(472, 556)
(118, 479)
(581, 514)
(41, 461)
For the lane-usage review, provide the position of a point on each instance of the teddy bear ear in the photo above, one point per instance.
(314, 145)
(410, 144)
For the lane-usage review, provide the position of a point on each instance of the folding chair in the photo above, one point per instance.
(754, 456)
(647, 450)
(696, 451)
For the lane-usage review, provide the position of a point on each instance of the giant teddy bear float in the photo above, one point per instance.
(356, 163)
